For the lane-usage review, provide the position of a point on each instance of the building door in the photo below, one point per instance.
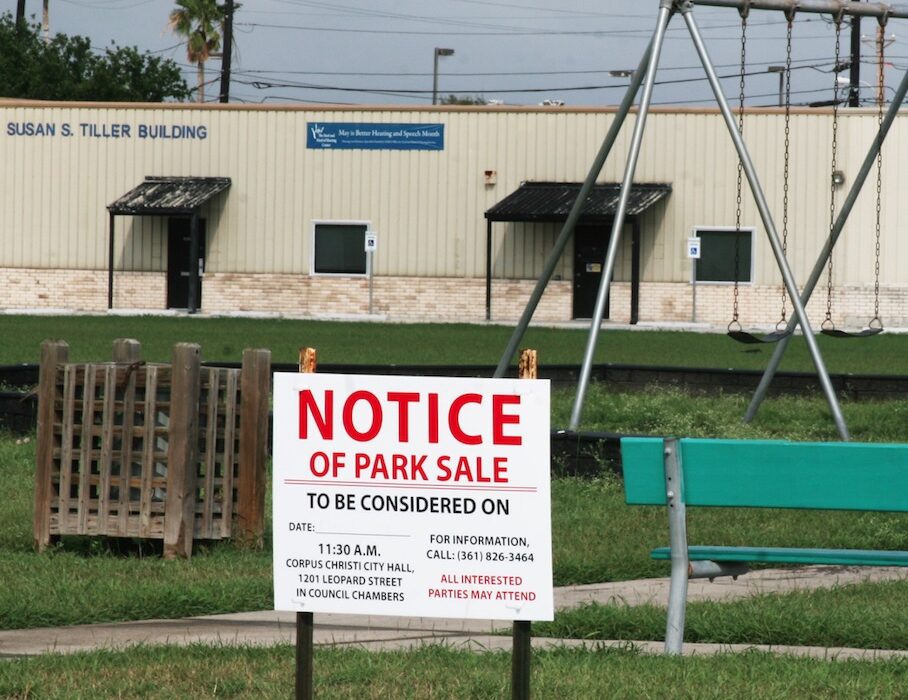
(179, 264)
(590, 246)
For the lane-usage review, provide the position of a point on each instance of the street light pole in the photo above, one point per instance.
(438, 52)
(781, 71)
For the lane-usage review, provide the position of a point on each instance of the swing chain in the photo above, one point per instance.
(743, 11)
(790, 16)
(879, 171)
(828, 323)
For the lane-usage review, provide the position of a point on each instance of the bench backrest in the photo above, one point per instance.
(771, 474)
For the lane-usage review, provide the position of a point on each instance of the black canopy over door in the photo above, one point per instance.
(181, 199)
(554, 202)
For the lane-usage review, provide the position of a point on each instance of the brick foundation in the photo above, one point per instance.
(433, 299)
(80, 290)
(439, 299)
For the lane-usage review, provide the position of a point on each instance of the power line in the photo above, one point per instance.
(817, 62)
(407, 92)
(515, 31)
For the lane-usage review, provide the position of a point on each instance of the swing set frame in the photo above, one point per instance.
(645, 76)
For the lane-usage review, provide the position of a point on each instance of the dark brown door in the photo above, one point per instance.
(590, 246)
(179, 263)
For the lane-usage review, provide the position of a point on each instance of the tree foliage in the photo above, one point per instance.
(68, 68)
(200, 23)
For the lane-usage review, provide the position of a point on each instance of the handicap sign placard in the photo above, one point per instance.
(693, 247)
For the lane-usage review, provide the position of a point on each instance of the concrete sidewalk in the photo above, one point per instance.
(389, 633)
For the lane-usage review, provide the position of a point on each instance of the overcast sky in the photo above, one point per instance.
(516, 51)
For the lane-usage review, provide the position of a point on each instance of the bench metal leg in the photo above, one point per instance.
(677, 531)
(715, 569)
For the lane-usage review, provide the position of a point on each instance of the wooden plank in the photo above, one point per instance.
(255, 394)
(205, 524)
(53, 354)
(149, 440)
(67, 436)
(86, 449)
(105, 458)
(182, 451)
(129, 352)
(229, 455)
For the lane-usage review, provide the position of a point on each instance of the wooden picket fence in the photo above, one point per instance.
(161, 451)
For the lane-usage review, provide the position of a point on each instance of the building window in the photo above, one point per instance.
(718, 254)
(339, 248)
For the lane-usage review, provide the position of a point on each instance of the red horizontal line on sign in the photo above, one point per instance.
(436, 487)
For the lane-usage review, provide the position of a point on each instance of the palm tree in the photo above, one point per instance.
(200, 22)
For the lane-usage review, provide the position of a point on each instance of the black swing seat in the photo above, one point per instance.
(874, 327)
(743, 336)
(866, 333)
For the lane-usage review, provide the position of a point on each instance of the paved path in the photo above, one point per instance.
(270, 627)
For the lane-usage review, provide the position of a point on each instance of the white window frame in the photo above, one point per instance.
(752, 230)
(367, 225)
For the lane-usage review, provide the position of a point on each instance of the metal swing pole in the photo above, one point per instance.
(766, 216)
(568, 229)
(820, 265)
(665, 13)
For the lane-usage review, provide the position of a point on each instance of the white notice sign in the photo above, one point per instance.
(413, 496)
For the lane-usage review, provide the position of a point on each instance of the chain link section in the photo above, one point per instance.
(735, 324)
(827, 323)
(876, 321)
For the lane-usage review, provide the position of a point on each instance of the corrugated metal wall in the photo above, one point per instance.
(427, 206)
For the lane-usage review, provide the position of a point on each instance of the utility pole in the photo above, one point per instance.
(45, 21)
(882, 41)
(20, 16)
(227, 52)
(854, 75)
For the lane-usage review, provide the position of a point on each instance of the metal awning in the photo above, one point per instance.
(166, 196)
(169, 195)
(552, 201)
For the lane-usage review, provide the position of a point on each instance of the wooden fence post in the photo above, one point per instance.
(182, 451)
(53, 353)
(255, 391)
(521, 651)
(127, 350)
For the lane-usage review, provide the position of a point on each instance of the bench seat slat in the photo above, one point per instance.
(791, 555)
(772, 474)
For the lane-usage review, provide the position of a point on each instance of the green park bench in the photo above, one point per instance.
(678, 473)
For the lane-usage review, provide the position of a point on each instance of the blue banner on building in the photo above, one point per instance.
(394, 137)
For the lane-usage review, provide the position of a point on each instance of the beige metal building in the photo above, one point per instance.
(271, 209)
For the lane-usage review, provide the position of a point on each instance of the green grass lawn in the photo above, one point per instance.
(669, 411)
(223, 339)
(596, 537)
(436, 672)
